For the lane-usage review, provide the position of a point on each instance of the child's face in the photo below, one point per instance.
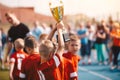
(28, 50)
(74, 46)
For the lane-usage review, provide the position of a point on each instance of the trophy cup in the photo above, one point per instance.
(57, 10)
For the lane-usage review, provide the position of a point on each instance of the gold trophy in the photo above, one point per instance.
(57, 10)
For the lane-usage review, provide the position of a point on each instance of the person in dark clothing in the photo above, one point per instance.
(17, 30)
(99, 44)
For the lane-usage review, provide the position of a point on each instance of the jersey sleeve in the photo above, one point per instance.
(54, 62)
(12, 58)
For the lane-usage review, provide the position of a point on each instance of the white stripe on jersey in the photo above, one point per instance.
(57, 62)
(12, 60)
(74, 74)
(41, 75)
(21, 75)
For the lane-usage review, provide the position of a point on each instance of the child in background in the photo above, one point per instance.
(16, 59)
(115, 34)
(73, 47)
(42, 37)
(29, 64)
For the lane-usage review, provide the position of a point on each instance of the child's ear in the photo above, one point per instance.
(50, 55)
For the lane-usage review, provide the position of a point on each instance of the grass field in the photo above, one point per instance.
(4, 75)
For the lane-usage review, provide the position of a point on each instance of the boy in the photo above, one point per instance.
(42, 37)
(16, 59)
(28, 69)
(57, 67)
(73, 48)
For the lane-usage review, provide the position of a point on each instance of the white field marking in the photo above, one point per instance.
(94, 73)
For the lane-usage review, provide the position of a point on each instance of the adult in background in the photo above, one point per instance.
(83, 35)
(36, 31)
(99, 44)
(16, 30)
(91, 39)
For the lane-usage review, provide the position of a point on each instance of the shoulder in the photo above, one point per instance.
(25, 54)
(68, 63)
(13, 55)
(22, 24)
(11, 28)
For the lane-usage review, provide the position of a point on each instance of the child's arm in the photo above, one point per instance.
(11, 70)
(52, 33)
(61, 45)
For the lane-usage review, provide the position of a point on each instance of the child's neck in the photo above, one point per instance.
(73, 52)
(43, 60)
(35, 51)
(20, 50)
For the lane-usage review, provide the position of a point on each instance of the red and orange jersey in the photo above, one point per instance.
(74, 59)
(16, 59)
(29, 67)
(67, 70)
(116, 41)
(49, 70)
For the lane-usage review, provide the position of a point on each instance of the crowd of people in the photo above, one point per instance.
(36, 54)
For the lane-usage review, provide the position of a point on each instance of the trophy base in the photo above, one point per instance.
(66, 37)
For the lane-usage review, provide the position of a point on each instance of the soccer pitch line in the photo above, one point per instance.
(94, 73)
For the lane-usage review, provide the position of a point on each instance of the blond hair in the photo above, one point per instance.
(19, 43)
(43, 37)
(116, 25)
(46, 47)
(74, 37)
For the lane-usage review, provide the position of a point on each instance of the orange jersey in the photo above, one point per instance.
(116, 41)
(17, 58)
(67, 70)
(29, 67)
(74, 58)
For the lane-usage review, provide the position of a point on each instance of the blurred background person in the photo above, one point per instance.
(99, 44)
(16, 30)
(46, 28)
(91, 39)
(3, 40)
(83, 35)
(1, 55)
(115, 34)
(36, 31)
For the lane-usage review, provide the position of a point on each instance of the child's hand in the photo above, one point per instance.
(60, 25)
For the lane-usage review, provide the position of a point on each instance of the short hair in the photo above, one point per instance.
(116, 25)
(43, 36)
(46, 47)
(74, 37)
(31, 42)
(19, 43)
(10, 12)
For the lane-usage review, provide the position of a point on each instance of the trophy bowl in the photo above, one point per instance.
(57, 10)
